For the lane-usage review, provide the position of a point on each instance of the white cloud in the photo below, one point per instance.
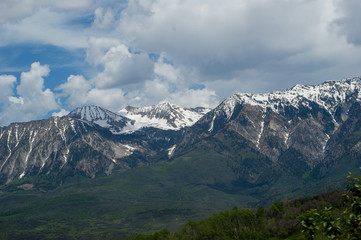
(76, 88)
(121, 67)
(223, 46)
(167, 71)
(110, 98)
(350, 20)
(97, 48)
(16, 100)
(79, 92)
(62, 113)
(7, 87)
(195, 98)
(32, 101)
(32, 82)
(103, 18)
(18, 9)
(44, 26)
(219, 40)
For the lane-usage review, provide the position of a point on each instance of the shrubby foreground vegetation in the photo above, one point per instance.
(334, 215)
(112, 208)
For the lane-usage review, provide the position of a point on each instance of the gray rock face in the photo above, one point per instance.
(58, 145)
(89, 141)
(298, 130)
(101, 117)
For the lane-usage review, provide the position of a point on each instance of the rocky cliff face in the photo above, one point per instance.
(60, 145)
(296, 130)
(101, 117)
(303, 130)
(90, 141)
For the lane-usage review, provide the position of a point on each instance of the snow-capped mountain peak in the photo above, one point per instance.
(102, 117)
(164, 115)
(328, 95)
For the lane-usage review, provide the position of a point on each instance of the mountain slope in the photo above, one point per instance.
(59, 146)
(90, 141)
(251, 150)
(291, 132)
(102, 117)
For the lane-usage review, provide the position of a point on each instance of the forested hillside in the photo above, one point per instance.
(333, 215)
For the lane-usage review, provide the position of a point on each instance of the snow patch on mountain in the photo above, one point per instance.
(164, 116)
(171, 150)
(101, 117)
(328, 95)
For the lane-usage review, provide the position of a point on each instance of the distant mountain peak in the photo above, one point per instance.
(328, 94)
(163, 115)
(102, 117)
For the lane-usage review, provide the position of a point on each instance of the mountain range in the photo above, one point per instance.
(303, 126)
(302, 129)
(92, 140)
(250, 150)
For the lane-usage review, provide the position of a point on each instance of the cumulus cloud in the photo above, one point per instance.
(18, 9)
(218, 41)
(103, 18)
(7, 83)
(61, 113)
(195, 98)
(187, 52)
(167, 71)
(121, 67)
(16, 100)
(44, 26)
(76, 90)
(220, 37)
(79, 92)
(125, 81)
(97, 48)
(32, 100)
(350, 20)
(111, 98)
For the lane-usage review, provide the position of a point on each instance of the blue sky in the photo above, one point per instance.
(58, 55)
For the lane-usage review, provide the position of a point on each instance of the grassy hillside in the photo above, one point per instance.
(282, 220)
(333, 215)
(143, 200)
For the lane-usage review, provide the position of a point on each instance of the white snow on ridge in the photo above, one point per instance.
(144, 121)
(101, 117)
(212, 124)
(164, 116)
(96, 114)
(171, 150)
(327, 94)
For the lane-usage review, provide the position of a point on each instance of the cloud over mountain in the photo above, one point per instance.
(142, 52)
(31, 99)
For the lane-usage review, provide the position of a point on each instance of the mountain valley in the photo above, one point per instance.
(143, 169)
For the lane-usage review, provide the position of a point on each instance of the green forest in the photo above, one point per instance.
(333, 215)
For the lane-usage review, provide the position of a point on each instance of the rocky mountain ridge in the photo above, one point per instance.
(101, 117)
(297, 130)
(53, 145)
(90, 141)
(305, 129)
(164, 116)
(328, 95)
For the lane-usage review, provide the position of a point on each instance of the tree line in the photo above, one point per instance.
(333, 215)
